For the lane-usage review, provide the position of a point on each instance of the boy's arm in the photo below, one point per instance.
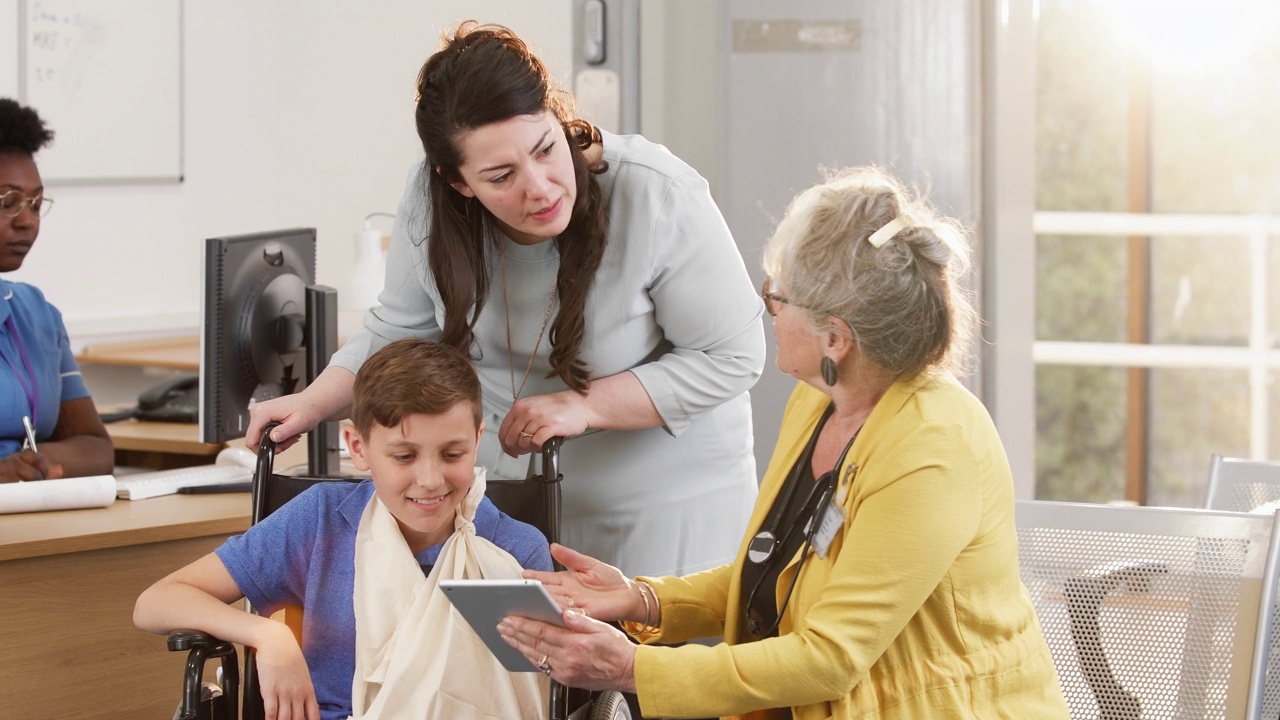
(198, 597)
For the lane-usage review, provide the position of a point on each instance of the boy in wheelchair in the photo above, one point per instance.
(363, 558)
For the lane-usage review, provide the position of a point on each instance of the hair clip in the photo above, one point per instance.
(886, 233)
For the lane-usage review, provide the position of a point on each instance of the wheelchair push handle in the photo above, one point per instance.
(550, 461)
(262, 470)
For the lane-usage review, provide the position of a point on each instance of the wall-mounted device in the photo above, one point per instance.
(606, 63)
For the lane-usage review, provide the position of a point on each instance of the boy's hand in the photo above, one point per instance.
(287, 693)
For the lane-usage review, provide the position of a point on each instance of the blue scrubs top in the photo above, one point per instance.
(50, 375)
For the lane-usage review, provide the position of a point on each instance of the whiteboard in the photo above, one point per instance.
(106, 76)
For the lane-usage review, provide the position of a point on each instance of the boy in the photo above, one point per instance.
(416, 416)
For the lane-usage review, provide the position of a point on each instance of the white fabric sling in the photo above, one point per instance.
(416, 657)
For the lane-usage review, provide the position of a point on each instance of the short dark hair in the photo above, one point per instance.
(22, 132)
(412, 376)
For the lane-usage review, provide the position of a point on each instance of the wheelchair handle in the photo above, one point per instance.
(550, 461)
(262, 470)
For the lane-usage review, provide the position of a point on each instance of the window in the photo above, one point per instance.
(1157, 244)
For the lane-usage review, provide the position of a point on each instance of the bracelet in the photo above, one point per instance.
(648, 626)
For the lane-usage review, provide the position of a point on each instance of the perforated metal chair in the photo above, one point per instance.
(1241, 485)
(1245, 485)
(1152, 612)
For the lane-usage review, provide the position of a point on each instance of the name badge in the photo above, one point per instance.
(832, 519)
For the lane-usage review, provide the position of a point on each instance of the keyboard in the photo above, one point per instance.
(141, 486)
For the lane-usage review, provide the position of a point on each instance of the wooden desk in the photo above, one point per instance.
(178, 353)
(68, 647)
(160, 445)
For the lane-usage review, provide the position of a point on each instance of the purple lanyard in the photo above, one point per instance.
(29, 382)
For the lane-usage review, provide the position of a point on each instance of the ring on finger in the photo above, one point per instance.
(524, 434)
(544, 666)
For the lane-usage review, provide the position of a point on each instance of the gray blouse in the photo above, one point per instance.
(671, 303)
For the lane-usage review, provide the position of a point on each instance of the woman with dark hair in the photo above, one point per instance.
(40, 382)
(594, 283)
(879, 577)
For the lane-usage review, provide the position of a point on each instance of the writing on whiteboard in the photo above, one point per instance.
(62, 46)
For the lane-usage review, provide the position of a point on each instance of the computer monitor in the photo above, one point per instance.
(268, 331)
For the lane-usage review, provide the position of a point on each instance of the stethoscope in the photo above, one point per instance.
(763, 548)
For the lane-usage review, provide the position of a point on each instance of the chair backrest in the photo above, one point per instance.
(1241, 485)
(1151, 612)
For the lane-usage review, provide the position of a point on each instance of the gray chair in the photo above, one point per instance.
(1241, 485)
(1152, 612)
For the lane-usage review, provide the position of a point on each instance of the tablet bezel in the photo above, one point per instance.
(484, 603)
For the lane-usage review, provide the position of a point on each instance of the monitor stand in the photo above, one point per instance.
(321, 343)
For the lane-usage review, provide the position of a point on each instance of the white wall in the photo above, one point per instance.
(296, 113)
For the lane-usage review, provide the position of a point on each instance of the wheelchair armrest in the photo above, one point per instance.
(183, 640)
(200, 648)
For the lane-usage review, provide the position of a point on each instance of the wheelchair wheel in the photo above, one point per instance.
(610, 705)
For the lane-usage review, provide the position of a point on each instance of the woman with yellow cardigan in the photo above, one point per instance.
(879, 574)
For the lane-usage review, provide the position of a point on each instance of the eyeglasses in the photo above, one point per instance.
(12, 202)
(771, 299)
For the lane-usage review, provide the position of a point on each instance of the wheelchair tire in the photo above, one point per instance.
(610, 705)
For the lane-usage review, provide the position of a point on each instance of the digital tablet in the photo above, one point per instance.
(484, 603)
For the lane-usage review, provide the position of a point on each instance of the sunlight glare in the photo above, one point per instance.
(1193, 36)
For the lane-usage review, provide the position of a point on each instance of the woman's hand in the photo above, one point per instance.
(328, 398)
(28, 465)
(590, 586)
(586, 653)
(534, 420)
(287, 693)
(295, 413)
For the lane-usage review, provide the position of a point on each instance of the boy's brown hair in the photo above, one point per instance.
(412, 376)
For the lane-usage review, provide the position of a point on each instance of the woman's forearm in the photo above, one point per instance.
(620, 402)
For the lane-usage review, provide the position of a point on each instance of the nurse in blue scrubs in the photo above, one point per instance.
(39, 378)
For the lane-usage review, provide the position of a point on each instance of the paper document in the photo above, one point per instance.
(67, 494)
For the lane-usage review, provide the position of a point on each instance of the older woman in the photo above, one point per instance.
(879, 575)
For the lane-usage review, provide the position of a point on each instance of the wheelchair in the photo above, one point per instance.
(535, 501)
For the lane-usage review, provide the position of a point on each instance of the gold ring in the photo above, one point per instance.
(543, 666)
(524, 434)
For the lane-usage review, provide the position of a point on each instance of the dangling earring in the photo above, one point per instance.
(830, 374)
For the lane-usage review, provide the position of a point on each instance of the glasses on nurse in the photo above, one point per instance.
(12, 203)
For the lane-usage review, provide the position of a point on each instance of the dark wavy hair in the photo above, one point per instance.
(485, 74)
(22, 132)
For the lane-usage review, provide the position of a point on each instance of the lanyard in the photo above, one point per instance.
(28, 382)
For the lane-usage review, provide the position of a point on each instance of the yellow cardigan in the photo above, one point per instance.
(917, 610)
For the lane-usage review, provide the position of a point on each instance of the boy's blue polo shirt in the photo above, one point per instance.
(304, 554)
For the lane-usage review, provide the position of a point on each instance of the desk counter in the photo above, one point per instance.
(68, 647)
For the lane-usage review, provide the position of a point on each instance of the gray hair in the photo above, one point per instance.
(903, 300)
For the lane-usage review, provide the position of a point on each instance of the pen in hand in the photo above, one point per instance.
(30, 442)
(31, 433)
